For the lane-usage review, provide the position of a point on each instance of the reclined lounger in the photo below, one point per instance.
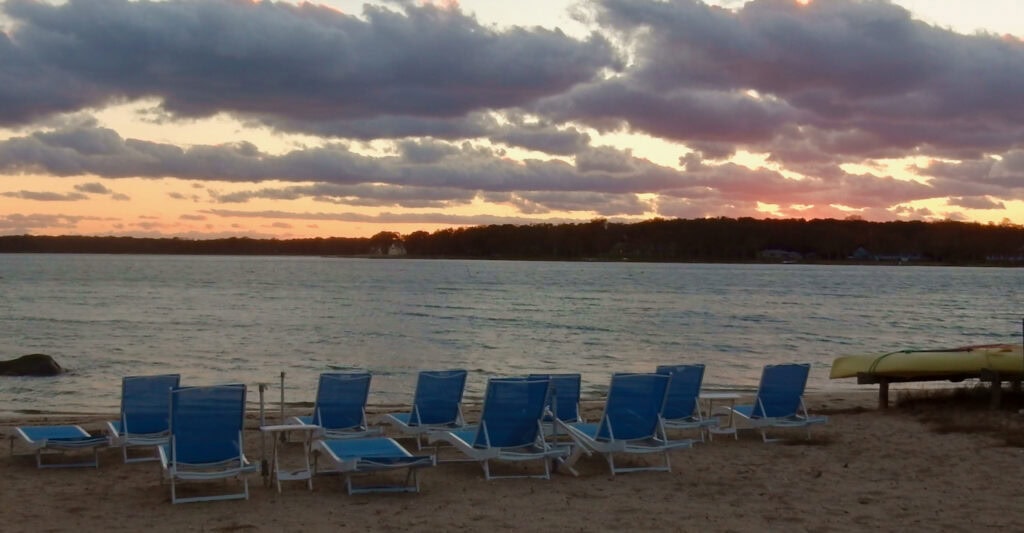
(49, 440)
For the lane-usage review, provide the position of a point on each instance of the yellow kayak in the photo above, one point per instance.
(936, 363)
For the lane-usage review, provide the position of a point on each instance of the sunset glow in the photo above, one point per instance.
(335, 120)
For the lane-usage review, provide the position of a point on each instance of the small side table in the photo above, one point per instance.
(301, 473)
(709, 399)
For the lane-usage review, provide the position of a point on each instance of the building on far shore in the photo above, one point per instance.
(785, 256)
(862, 254)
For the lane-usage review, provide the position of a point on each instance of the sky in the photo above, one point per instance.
(219, 118)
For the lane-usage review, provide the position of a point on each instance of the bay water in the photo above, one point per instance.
(219, 319)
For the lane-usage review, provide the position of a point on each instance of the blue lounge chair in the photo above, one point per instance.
(563, 400)
(369, 455)
(436, 404)
(340, 408)
(780, 401)
(206, 440)
(631, 423)
(59, 440)
(145, 402)
(509, 428)
(682, 403)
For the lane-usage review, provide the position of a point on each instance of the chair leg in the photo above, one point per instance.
(611, 462)
(414, 477)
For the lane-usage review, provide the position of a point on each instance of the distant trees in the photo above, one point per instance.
(696, 240)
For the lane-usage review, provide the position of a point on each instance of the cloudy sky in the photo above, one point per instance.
(212, 118)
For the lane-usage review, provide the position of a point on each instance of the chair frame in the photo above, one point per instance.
(685, 386)
(357, 430)
(235, 466)
(59, 440)
(475, 442)
(554, 407)
(600, 437)
(384, 454)
(121, 434)
(759, 415)
(411, 423)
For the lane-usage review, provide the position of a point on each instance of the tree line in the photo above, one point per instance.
(697, 240)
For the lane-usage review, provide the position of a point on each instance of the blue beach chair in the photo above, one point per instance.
(59, 440)
(563, 400)
(145, 403)
(340, 408)
(509, 428)
(206, 441)
(436, 404)
(682, 402)
(631, 423)
(780, 401)
(352, 457)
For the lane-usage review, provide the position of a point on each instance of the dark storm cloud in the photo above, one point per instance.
(815, 88)
(976, 203)
(376, 195)
(429, 174)
(17, 224)
(388, 126)
(89, 150)
(607, 205)
(296, 64)
(93, 188)
(865, 74)
(543, 138)
(387, 218)
(31, 88)
(46, 196)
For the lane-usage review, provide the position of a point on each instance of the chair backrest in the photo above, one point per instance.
(341, 400)
(512, 411)
(683, 390)
(145, 403)
(207, 423)
(438, 396)
(781, 390)
(633, 409)
(564, 396)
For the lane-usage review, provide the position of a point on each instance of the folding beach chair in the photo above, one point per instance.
(682, 408)
(59, 441)
(780, 401)
(206, 441)
(631, 423)
(436, 404)
(509, 428)
(145, 403)
(340, 408)
(352, 457)
(563, 400)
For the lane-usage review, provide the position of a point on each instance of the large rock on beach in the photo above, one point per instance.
(36, 364)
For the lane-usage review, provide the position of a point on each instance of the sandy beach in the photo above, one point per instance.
(936, 467)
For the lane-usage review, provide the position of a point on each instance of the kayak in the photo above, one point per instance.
(909, 364)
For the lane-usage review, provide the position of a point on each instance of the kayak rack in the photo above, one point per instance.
(993, 377)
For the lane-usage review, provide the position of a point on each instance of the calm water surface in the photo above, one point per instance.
(248, 319)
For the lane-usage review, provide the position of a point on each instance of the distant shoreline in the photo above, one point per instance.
(538, 259)
(713, 240)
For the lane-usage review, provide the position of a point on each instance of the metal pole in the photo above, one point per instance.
(264, 467)
(284, 435)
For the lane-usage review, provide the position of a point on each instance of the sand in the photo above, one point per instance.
(865, 470)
